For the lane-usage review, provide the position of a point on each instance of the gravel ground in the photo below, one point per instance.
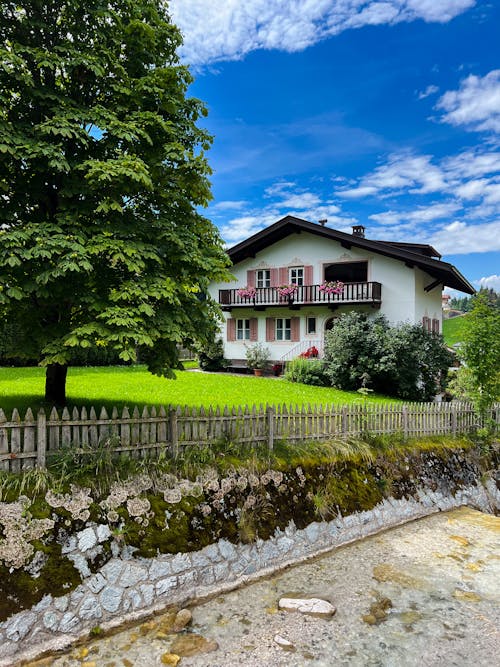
(424, 594)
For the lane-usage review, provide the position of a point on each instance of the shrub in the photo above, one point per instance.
(211, 357)
(306, 371)
(404, 361)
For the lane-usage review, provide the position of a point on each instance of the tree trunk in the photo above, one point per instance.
(55, 384)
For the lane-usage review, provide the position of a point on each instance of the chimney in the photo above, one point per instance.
(323, 222)
(358, 230)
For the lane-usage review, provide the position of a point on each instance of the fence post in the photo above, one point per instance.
(41, 439)
(405, 422)
(453, 419)
(174, 433)
(270, 428)
(344, 420)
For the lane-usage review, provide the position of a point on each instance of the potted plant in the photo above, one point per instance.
(257, 358)
(287, 290)
(332, 287)
(277, 369)
(246, 292)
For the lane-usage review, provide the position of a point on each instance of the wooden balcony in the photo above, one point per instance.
(305, 295)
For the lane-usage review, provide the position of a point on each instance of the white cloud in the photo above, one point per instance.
(461, 238)
(430, 90)
(490, 282)
(217, 31)
(420, 214)
(229, 205)
(475, 105)
(403, 171)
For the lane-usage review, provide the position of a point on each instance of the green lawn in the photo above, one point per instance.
(453, 329)
(109, 386)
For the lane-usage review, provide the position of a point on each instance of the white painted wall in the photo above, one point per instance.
(403, 295)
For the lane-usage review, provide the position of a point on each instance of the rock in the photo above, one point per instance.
(18, 628)
(86, 539)
(111, 598)
(284, 643)
(183, 618)
(170, 659)
(312, 606)
(186, 645)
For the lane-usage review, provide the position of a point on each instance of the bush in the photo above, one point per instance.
(211, 357)
(307, 371)
(405, 361)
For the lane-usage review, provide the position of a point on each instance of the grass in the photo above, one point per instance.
(120, 385)
(453, 329)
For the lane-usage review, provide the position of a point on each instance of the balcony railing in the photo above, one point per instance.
(305, 295)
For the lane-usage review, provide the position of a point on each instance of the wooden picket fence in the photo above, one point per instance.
(27, 442)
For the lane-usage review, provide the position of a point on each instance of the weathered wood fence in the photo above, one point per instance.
(27, 442)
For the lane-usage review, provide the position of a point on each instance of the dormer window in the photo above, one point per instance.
(296, 275)
(263, 278)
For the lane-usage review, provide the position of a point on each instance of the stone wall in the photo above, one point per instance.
(126, 588)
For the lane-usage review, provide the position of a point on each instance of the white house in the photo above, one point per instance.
(402, 281)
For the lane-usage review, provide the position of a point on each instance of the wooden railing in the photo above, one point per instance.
(366, 292)
(27, 442)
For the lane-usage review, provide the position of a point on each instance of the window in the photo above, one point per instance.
(283, 328)
(347, 272)
(296, 275)
(311, 325)
(242, 329)
(263, 278)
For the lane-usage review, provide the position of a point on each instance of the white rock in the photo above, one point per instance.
(314, 606)
(284, 643)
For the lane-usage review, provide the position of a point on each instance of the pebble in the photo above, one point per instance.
(312, 606)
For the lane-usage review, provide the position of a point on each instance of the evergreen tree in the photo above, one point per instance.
(102, 171)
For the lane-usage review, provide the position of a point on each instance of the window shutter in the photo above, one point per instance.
(254, 323)
(275, 278)
(231, 329)
(426, 323)
(270, 329)
(308, 275)
(283, 275)
(251, 278)
(435, 325)
(295, 329)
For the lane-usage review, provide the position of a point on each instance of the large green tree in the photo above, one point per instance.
(481, 352)
(102, 171)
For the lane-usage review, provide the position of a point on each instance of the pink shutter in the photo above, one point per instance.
(295, 329)
(254, 329)
(270, 329)
(251, 278)
(308, 275)
(275, 278)
(231, 329)
(283, 275)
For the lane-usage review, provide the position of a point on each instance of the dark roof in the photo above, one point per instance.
(420, 248)
(412, 254)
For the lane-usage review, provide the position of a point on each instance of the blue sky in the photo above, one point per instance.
(380, 113)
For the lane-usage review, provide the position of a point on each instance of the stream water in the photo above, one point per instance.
(426, 593)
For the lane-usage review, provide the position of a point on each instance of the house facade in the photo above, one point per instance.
(295, 278)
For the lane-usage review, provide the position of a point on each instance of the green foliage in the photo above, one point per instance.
(102, 172)
(307, 371)
(211, 356)
(404, 361)
(481, 352)
(257, 356)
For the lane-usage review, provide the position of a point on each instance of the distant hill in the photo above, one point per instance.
(453, 330)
